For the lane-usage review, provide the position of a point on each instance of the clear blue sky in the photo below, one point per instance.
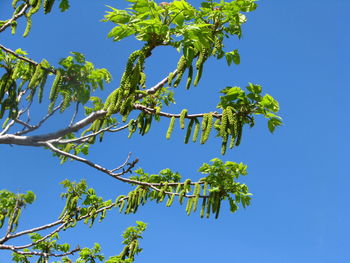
(299, 52)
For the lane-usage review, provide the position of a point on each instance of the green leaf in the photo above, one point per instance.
(273, 123)
(233, 56)
(64, 5)
(256, 89)
(270, 103)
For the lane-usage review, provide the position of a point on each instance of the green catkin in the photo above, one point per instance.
(52, 103)
(232, 142)
(66, 101)
(214, 201)
(181, 196)
(13, 27)
(5, 123)
(208, 206)
(224, 122)
(196, 192)
(28, 26)
(187, 183)
(204, 121)
(129, 69)
(205, 188)
(178, 188)
(170, 128)
(170, 78)
(148, 123)
(218, 208)
(208, 128)
(170, 200)
(189, 206)
(199, 67)
(223, 147)
(122, 206)
(16, 70)
(189, 130)
(48, 6)
(230, 116)
(203, 207)
(140, 121)
(190, 76)
(203, 127)
(14, 3)
(197, 189)
(182, 118)
(55, 85)
(126, 103)
(143, 80)
(35, 8)
(42, 85)
(196, 131)
(239, 132)
(117, 200)
(33, 81)
(33, 2)
(181, 67)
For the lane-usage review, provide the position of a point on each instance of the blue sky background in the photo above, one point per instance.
(299, 52)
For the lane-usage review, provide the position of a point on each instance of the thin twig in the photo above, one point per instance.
(75, 114)
(121, 166)
(34, 127)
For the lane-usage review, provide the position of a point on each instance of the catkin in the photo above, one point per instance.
(239, 132)
(35, 8)
(203, 207)
(14, 3)
(181, 67)
(196, 131)
(42, 85)
(33, 81)
(48, 6)
(199, 67)
(170, 78)
(55, 85)
(28, 26)
(189, 130)
(13, 27)
(224, 122)
(170, 128)
(208, 128)
(189, 78)
(182, 118)
(189, 206)
(203, 127)
(170, 200)
(223, 147)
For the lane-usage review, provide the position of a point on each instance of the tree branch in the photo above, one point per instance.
(30, 61)
(15, 17)
(169, 115)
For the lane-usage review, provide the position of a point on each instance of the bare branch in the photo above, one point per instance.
(75, 114)
(34, 127)
(121, 166)
(169, 115)
(84, 138)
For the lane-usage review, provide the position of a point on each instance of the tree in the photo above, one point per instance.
(197, 34)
